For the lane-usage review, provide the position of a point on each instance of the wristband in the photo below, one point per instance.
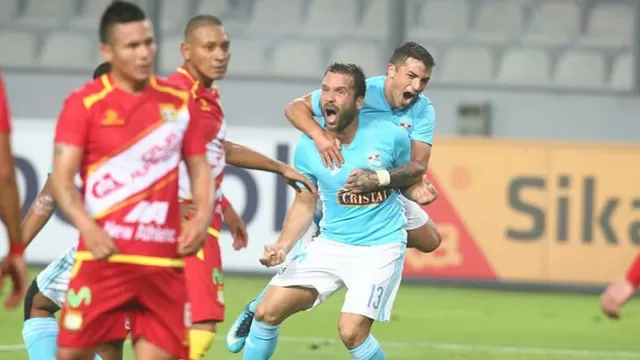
(384, 178)
(633, 275)
(16, 248)
(224, 203)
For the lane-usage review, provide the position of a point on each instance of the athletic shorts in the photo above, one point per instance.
(371, 275)
(53, 281)
(102, 294)
(203, 273)
(416, 216)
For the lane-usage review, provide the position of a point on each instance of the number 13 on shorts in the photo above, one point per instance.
(375, 298)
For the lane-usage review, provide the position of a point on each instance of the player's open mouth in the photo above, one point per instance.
(408, 96)
(330, 114)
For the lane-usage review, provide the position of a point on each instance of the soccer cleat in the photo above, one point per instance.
(237, 335)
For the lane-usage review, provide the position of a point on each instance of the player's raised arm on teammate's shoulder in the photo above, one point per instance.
(39, 213)
(300, 113)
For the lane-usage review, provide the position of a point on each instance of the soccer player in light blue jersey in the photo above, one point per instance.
(362, 237)
(396, 97)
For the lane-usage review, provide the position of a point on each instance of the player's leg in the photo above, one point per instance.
(92, 317)
(371, 292)
(239, 330)
(160, 328)
(205, 289)
(422, 233)
(308, 280)
(40, 328)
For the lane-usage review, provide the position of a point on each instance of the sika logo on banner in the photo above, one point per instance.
(458, 256)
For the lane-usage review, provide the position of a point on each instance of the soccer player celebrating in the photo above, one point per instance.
(206, 51)
(126, 134)
(47, 292)
(621, 291)
(397, 97)
(13, 264)
(362, 240)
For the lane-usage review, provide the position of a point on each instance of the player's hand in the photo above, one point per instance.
(98, 242)
(193, 235)
(362, 181)
(237, 227)
(329, 147)
(616, 295)
(423, 192)
(273, 255)
(293, 177)
(15, 267)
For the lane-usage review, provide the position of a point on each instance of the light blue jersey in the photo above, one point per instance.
(418, 119)
(359, 219)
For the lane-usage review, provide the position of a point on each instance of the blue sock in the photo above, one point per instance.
(40, 337)
(254, 304)
(369, 350)
(261, 342)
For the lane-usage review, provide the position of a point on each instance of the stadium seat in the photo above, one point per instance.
(498, 21)
(331, 17)
(46, 14)
(248, 57)
(375, 20)
(298, 59)
(23, 48)
(609, 25)
(622, 74)
(9, 11)
(90, 12)
(175, 14)
(525, 67)
(169, 54)
(578, 69)
(276, 16)
(367, 55)
(469, 65)
(64, 50)
(441, 20)
(554, 23)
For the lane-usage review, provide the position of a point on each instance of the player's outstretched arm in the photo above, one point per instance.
(39, 213)
(242, 156)
(9, 198)
(300, 114)
(296, 223)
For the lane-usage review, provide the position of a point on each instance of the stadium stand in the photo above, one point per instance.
(575, 44)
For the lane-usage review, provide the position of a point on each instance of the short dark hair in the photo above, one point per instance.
(356, 73)
(199, 20)
(119, 12)
(102, 69)
(413, 50)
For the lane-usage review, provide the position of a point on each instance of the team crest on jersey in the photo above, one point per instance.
(406, 123)
(111, 118)
(374, 159)
(168, 113)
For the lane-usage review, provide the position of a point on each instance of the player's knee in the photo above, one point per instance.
(268, 313)
(353, 330)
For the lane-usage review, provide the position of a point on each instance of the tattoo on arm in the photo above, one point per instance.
(44, 205)
(406, 175)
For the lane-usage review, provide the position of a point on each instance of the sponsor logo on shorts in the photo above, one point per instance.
(75, 299)
(218, 280)
(187, 315)
(72, 320)
(347, 198)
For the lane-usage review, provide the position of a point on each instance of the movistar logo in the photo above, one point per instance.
(76, 299)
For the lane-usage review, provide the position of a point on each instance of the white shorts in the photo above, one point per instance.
(416, 216)
(371, 275)
(53, 281)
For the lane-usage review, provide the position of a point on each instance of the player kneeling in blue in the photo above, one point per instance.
(362, 240)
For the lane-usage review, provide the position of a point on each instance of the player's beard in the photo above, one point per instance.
(347, 116)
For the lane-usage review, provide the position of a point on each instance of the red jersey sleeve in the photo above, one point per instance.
(73, 122)
(225, 203)
(633, 274)
(194, 142)
(5, 123)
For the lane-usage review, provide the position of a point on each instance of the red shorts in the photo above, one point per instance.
(103, 295)
(205, 284)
